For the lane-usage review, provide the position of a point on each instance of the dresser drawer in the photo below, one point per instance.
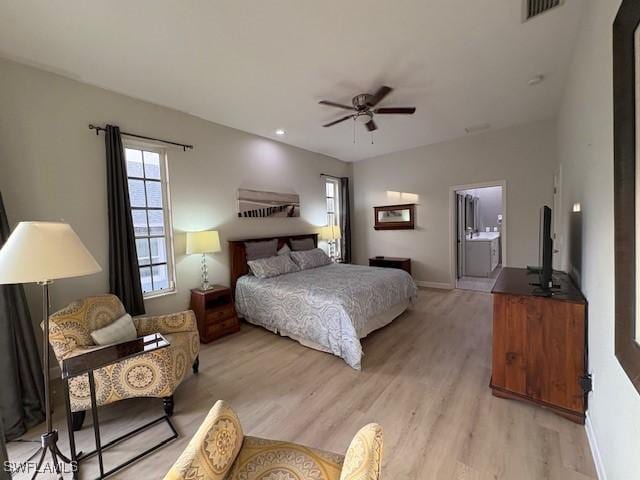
(215, 316)
(222, 327)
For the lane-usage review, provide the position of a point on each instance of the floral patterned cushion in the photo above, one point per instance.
(364, 456)
(274, 460)
(213, 449)
(311, 258)
(272, 266)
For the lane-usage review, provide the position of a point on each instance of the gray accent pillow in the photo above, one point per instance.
(273, 266)
(311, 258)
(122, 330)
(304, 244)
(264, 249)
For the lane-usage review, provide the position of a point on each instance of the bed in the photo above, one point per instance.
(328, 308)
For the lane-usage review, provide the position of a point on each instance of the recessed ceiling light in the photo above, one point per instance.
(478, 128)
(280, 132)
(535, 80)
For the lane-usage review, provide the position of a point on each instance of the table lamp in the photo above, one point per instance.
(204, 242)
(330, 234)
(41, 252)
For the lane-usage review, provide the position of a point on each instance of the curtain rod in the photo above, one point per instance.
(102, 129)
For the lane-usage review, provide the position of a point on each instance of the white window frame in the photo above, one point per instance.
(334, 247)
(167, 215)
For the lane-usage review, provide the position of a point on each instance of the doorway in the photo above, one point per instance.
(479, 234)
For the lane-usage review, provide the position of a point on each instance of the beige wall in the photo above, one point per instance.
(524, 156)
(585, 141)
(52, 168)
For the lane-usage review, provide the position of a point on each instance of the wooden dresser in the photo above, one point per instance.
(539, 343)
(215, 312)
(391, 262)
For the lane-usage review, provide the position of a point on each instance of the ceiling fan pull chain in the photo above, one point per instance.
(371, 138)
(354, 130)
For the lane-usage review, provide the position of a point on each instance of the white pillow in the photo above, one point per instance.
(122, 330)
(310, 258)
(272, 266)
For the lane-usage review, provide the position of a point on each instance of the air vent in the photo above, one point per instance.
(533, 8)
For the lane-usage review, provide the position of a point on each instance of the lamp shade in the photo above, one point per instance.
(330, 232)
(43, 251)
(203, 242)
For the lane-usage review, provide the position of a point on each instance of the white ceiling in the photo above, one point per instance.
(261, 65)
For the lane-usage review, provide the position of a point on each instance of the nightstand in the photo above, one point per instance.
(391, 262)
(215, 312)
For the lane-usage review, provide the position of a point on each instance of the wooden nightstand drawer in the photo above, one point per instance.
(220, 314)
(215, 313)
(228, 325)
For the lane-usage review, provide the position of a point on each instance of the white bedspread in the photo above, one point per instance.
(328, 306)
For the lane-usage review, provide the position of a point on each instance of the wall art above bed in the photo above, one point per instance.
(257, 203)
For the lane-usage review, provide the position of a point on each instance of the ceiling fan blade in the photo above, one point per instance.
(400, 110)
(338, 121)
(334, 104)
(371, 125)
(379, 95)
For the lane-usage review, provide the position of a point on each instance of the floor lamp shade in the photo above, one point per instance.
(44, 251)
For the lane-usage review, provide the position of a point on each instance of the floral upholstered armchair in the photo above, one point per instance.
(153, 374)
(220, 451)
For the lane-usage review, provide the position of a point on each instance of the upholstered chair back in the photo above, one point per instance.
(213, 449)
(71, 327)
(363, 460)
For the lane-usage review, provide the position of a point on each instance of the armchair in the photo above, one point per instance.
(220, 451)
(155, 374)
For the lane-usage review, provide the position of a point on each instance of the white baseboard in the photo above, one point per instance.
(440, 285)
(595, 452)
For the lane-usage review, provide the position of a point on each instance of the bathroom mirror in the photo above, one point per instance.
(394, 217)
(626, 132)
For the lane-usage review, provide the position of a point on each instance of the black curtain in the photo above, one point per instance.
(345, 220)
(124, 276)
(22, 390)
(4, 474)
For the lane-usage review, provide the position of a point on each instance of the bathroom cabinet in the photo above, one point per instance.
(482, 255)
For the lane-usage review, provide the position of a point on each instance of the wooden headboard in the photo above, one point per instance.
(238, 253)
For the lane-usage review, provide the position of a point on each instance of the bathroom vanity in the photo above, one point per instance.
(482, 253)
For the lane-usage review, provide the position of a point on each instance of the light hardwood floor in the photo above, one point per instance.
(425, 379)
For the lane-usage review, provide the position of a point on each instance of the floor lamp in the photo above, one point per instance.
(41, 252)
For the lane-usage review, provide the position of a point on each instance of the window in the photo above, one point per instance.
(332, 192)
(149, 197)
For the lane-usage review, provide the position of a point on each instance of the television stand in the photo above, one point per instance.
(539, 343)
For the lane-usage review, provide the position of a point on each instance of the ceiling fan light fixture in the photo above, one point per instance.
(280, 131)
(364, 117)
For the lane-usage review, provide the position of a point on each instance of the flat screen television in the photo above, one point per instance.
(545, 255)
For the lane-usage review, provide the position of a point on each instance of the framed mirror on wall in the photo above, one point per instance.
(626, 126)
(394, 217)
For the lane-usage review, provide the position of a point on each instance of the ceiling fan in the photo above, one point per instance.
(363, 110)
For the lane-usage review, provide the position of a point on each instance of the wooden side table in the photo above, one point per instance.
(215, 312)
(391, 262)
